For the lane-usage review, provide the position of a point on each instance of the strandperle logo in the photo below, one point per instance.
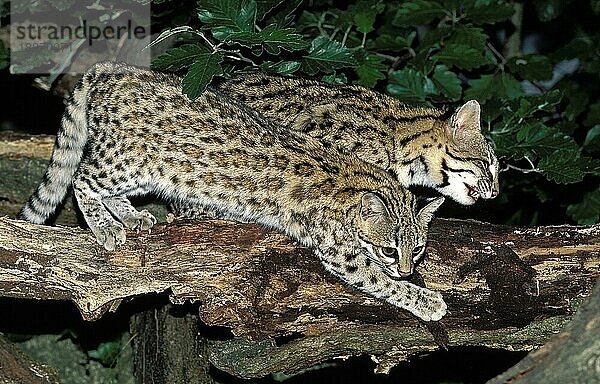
(59, 33)
(52, 41)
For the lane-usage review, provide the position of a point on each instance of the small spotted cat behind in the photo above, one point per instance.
(418, 145)
(128, 132)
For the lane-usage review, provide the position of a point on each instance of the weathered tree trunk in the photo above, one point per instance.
(506, 287)
(168, 348)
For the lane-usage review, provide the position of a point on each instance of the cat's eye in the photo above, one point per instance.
(417, 250)
(388, 251)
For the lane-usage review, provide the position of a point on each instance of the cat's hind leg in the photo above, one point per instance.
(108, 231)
(126, 213)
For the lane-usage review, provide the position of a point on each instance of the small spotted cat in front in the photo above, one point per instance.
(128, 132)
(418, 145)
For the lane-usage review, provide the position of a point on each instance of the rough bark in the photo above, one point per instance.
(573, 356)
(506, 287)
(16, 367)
(167, 347)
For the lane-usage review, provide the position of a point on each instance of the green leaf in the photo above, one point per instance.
(265, 6)
(181, 57)
(470, 36)
(284, 14)
(227, 16)
(461, 56)
(588, 210)
(417, 12)
(580, 48)
(489, 12)
(282, 67)
(531, 67)
(272, 38)
(410, 86)
(509, 86)
(363, 14)
(387, 42)
(326, 55)
(335, 78)
(563, 166)
(447, 82)
(481, 89)
(370, 71)
(592, 140)
(107, 353)
(201, 74)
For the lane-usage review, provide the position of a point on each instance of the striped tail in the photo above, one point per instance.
(66, 156)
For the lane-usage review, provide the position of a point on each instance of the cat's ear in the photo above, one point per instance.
(373, 209)
(466, 120)
(426, 213)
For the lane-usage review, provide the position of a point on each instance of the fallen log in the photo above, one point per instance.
(505, 287)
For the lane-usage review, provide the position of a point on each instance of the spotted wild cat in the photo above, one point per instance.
(129, 132)
(420, 146)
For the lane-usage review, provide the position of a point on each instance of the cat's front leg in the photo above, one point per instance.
(354, 267)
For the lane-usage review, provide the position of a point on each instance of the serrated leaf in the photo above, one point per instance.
(461, 56)
(201, 73)
(509, 86)
(363, 14)
(434, 37)
(470, 36)
(562, 166)
(177, 58)
(530, 105)
(531, 67)
(481, 89)
(417, 12)
(588, 210)
(387, 42)
(326, 55)
(370, 71)
(273, 39)
(447, 82)
(489, 12)
(410, 86)
(227, 16)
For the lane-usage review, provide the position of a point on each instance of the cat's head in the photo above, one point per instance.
(394, 240)
(469, 166)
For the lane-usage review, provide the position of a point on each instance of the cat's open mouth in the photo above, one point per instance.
(472, 192)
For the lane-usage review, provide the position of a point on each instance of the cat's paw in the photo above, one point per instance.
(139, 221)
(430, 305)
(110, 236)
